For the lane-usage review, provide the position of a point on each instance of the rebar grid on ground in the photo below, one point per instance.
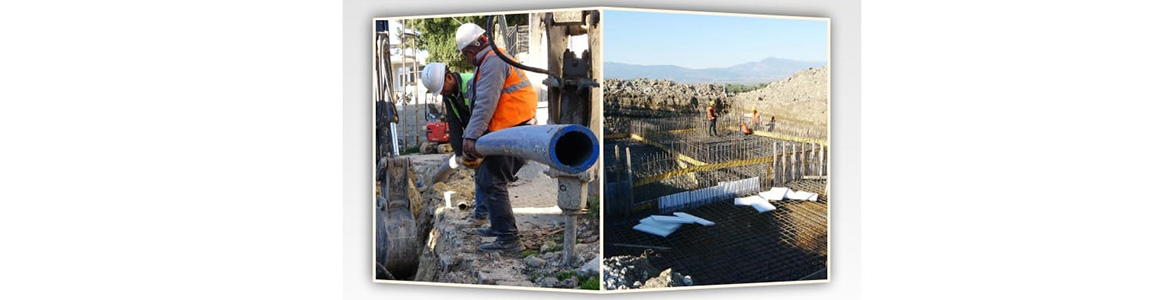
(743, 246)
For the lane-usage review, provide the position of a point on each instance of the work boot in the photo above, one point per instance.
(477, 221)
(512, 245)
(488, 232)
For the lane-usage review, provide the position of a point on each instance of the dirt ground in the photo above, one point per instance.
(449, 252)
(533, 189)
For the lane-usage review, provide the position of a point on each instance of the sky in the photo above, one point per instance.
(710, 41)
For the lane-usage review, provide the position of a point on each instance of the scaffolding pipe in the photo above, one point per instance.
(567, 148)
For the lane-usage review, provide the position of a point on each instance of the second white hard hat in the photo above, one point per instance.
(432, 77)
(466, 34)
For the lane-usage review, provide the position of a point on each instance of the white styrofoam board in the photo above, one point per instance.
(651, 222)
(659, 231)
(742, 201)
(763, 206)
(775, 194)
(802, 195)
(749, 200)
(695, 219)
(671, 219)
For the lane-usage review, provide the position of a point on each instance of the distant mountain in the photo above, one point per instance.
(767, 70)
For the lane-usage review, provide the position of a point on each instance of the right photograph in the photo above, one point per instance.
(716, 149)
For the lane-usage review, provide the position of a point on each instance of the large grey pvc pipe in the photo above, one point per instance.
(567, 148)
(446, 169)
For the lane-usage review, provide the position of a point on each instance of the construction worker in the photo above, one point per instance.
(453, 88)
(501, 97)
(711, 119)
(755, 119)
(743, 128)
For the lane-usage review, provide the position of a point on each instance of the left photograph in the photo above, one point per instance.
(486, 145)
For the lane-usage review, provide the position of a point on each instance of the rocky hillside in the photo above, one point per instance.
(804, 96)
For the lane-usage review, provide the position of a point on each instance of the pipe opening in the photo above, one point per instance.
(574, 149)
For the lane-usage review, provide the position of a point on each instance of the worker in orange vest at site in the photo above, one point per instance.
(501, 97)
(711, 119)
(755, 119)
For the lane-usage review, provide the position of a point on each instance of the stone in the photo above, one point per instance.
(570, 282)
(547, 282)
(533, 261)
(591, 268)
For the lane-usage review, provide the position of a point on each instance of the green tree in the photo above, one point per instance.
(741, 88)
(437, 37)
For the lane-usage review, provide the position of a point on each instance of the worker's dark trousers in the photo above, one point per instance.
(711, 128)
(481, 210)
(491, 180)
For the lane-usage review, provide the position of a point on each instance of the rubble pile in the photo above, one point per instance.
(802, 96)
(635, 272)
(660, 95)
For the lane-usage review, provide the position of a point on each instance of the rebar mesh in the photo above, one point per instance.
(657, 156)
(743, 246)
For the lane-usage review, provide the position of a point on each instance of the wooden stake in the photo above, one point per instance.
(820, 160)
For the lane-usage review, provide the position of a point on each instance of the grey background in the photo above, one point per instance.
(846, 132)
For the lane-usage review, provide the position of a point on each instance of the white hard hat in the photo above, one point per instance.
(466, 34)
(432, 77)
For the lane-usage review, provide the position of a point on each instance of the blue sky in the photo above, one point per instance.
(710, 41)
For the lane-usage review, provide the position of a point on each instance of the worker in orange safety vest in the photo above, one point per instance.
(501, 97)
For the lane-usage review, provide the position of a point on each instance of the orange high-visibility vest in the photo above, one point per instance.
(517, 99)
